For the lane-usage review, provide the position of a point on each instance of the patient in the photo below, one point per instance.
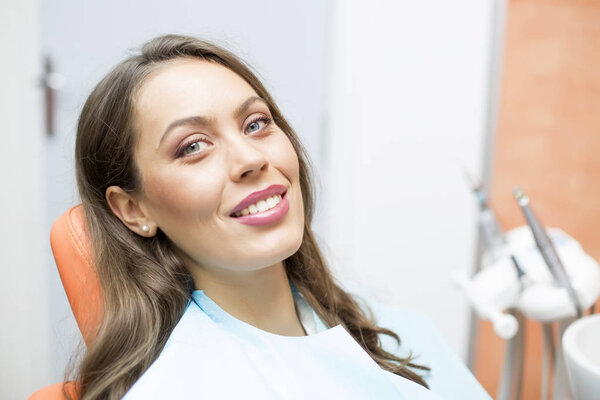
(198, 202)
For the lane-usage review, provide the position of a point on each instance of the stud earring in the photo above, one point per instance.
(145, 228)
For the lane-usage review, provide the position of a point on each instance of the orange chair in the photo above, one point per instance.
(71, 248)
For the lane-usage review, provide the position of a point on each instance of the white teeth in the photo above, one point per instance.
(260, 206)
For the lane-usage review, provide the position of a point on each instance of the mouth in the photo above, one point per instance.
(260, 206)
(259, 201)
(268, 209)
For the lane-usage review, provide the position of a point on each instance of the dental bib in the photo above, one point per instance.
(212, 355)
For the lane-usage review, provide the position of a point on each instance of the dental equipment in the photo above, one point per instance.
(515, 284)
(489, 228)
(505, 325)
(520, 272)
(582, 354)
(547, 250)
(540, 299)
(497, 289)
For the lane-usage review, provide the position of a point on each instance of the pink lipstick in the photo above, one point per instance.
(267, 200)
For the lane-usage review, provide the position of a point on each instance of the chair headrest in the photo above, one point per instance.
(72, 252)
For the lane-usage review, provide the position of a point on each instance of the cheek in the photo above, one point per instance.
(283, 156)
(286, 160)
(183, 196)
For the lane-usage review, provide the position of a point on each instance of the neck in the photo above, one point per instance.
(262, 298)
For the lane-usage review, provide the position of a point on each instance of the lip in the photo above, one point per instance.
(266, 217)
(257, 196)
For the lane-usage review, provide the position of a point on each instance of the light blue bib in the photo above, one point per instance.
(212, 355)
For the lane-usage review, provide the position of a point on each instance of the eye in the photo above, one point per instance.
(193, 147)
(258, 124)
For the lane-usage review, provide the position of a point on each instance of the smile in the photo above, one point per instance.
(260, 206)
(264, 212)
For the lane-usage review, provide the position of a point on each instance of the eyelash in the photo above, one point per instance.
(181, 149)
(260, 118)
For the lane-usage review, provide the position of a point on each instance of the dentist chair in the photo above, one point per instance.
(72, 253)
(70, 246)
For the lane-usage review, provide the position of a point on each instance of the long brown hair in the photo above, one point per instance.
(145, 285)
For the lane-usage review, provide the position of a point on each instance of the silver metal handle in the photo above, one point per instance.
(51, 82)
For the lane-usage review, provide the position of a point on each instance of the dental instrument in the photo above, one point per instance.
(494, 242)
(520, 272)
(547, 249)
(489, 227)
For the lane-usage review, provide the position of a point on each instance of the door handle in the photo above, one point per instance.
(52, 82)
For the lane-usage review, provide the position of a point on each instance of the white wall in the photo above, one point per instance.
(409, 94)
(24, 361)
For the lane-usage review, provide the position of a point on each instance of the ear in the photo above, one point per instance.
(129, 210)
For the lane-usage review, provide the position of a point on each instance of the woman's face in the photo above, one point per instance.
(206, 142)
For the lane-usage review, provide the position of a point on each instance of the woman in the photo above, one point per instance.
(199, 203)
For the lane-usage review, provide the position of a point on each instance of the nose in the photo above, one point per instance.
(246, 159)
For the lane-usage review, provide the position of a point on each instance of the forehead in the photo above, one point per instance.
(186, 87)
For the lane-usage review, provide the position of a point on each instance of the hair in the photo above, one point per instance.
(145, 285)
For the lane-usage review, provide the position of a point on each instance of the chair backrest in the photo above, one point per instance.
(72, 252)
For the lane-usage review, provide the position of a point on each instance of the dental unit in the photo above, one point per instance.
(529, 273)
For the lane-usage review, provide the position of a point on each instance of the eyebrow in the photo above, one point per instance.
(200, 120)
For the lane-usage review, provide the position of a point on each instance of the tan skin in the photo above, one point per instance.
(196, 173)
